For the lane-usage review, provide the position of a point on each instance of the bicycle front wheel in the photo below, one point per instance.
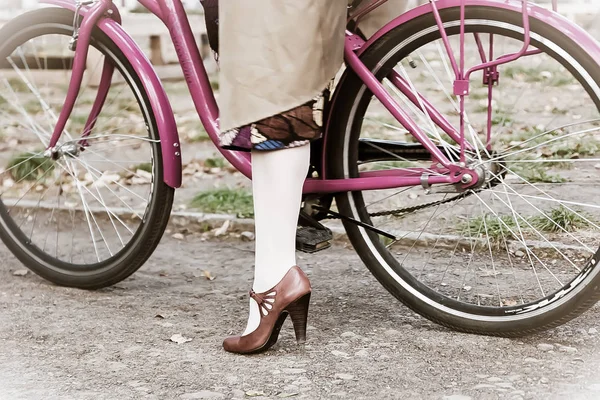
(518, 254)
(90, 214)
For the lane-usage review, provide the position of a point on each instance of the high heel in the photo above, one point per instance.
(298, 311)
(290, 296)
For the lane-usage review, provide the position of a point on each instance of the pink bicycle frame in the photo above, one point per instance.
(103, 15)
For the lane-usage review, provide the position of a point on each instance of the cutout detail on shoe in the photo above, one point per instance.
(265, 301)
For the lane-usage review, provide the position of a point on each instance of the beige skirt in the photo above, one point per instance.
(279, 55)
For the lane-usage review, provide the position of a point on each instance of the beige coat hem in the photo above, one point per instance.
(276, 55)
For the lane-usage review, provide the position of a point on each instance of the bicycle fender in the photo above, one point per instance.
(159, 101)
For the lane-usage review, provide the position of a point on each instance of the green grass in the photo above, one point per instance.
(559, 111)
(499, 117)
(33, 107)
(564, 220)
(558, 219)
(78, 120)
(18, 85)
(228, 201)
(217, 162)
(144, 167)
(26, 168)
(128, 105)
(502, 119)
(386, 241)
(533, 75)
(481, 109)
(535, 173)
(523, 134)
(478, 95)
(567, 148)
(573, 147)
(492, 227)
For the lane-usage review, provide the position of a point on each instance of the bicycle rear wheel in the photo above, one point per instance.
(91, 214)
(519, 254)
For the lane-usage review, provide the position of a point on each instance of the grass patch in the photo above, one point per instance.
(481, 109)
(492, 227)
(564, 220)
(33, 107)
(78, 120)
(228, 201)
(501, 119)
(524, 134)
(564, 148)
(533, 75)
(129, 105)
(535, 173)
(478, 95)
(558, 219)
(17, 84)
(24, 167)
(143, 166)
(574, 147)
(386, 241)
(559, 111)
(217, 162)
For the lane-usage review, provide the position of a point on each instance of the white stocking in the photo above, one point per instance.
(277, 180)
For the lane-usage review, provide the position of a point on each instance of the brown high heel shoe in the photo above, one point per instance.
(290, 296)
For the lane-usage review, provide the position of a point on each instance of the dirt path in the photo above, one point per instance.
(58, 343)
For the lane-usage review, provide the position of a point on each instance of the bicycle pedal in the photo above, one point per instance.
(310, 239)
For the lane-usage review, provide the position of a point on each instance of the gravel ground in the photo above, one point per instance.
(59, 343)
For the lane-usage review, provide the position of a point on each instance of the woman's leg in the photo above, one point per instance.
(277, 180)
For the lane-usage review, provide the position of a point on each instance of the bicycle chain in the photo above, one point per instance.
(408, 210)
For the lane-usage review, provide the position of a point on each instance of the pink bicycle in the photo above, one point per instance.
(461, 152)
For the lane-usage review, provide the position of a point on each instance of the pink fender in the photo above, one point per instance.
(552, 18)
(161, 107)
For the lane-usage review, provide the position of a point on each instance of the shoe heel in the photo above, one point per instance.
(298, 311)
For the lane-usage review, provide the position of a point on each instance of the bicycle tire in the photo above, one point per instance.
(349, 109)
(147, 237)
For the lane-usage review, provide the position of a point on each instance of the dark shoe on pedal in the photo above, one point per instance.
(290, 296)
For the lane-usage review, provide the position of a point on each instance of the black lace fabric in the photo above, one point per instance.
(211, 13)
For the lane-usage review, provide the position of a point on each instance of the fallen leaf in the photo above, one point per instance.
(180, 339)
(223, 229)
(208, 275)
(159, 316)
(248, 236)
(345, 377)
(509, 303)
(254, 393)
(20, 272)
